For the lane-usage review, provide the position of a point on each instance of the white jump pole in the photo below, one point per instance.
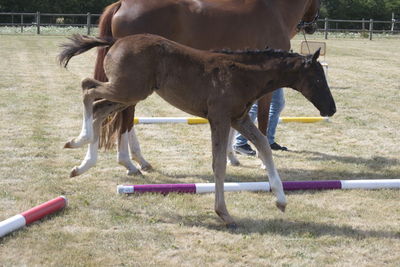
(198, 120)
(32, 215)
(199, 188)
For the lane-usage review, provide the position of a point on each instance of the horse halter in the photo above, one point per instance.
(304, 24)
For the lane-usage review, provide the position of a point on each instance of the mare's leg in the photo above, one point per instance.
(136, 153)
(219, 135)
(123, 142)
(101, 109)
(229, 150)
(128, 132)
(246, 127)
(123, 155)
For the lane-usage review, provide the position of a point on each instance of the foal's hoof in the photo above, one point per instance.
(146, 167)
(231, 226)
(281, 206)
(74, 172)
(68, 145)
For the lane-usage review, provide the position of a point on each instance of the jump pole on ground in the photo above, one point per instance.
(32, 215)
(198, 120)
(200, 188)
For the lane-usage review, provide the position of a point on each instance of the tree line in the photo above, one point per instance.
(337, 9)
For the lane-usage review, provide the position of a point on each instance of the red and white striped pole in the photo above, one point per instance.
(32, 215)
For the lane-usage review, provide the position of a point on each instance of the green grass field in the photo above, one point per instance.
(41, 108)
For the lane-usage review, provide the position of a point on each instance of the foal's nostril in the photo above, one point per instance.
(333, 110)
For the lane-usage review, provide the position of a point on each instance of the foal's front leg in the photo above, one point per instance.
(247, 128)
(219, 134)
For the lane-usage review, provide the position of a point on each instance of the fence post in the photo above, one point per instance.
(393, 21)
(38, 22)
(326, 28)
(363, 24)
(22, 23)
(88, 22)
(371, 28)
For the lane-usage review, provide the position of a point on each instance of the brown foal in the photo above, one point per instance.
(201, 24)
(220, 86)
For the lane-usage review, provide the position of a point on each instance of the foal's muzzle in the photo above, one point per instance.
(330, 111)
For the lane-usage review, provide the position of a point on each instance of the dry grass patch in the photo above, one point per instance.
(41, 108)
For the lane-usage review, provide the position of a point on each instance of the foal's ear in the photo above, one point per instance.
(316, 55)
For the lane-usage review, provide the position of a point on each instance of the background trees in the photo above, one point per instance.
(338, 9)
(54, 6)
(358, 9)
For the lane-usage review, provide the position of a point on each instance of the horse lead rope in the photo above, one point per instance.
(305, 39)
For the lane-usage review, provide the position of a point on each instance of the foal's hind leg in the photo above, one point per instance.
(247, 128)
(219, 134)
(86, 135)
(102, 109)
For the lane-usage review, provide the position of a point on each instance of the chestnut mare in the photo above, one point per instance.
(201, 24)
(220, 86)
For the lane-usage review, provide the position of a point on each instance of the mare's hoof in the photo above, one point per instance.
(134, 173)
(232, 159)
(281, 206)
(231, 226)
(74, 172)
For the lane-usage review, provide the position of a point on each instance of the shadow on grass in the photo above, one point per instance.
(374, 168)
(290, 229)
(340, 87)
(375, 163)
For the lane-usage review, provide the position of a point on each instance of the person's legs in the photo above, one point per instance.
(277, 105)
(241, 146)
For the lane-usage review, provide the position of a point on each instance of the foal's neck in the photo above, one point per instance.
(273, 68)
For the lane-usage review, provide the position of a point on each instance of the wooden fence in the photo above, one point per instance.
(38, 20)
(89, 21)
(368, 27)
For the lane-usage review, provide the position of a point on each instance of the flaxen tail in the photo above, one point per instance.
(112, 126)
(80, 44)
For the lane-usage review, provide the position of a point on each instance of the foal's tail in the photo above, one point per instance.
(80, 44)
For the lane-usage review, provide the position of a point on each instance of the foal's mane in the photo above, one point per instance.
(254, 52)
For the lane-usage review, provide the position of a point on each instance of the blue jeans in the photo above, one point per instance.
(275, 109)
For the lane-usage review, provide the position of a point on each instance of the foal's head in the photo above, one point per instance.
(313, 85)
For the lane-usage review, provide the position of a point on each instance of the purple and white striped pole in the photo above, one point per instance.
(32, 215)
(199, 188)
